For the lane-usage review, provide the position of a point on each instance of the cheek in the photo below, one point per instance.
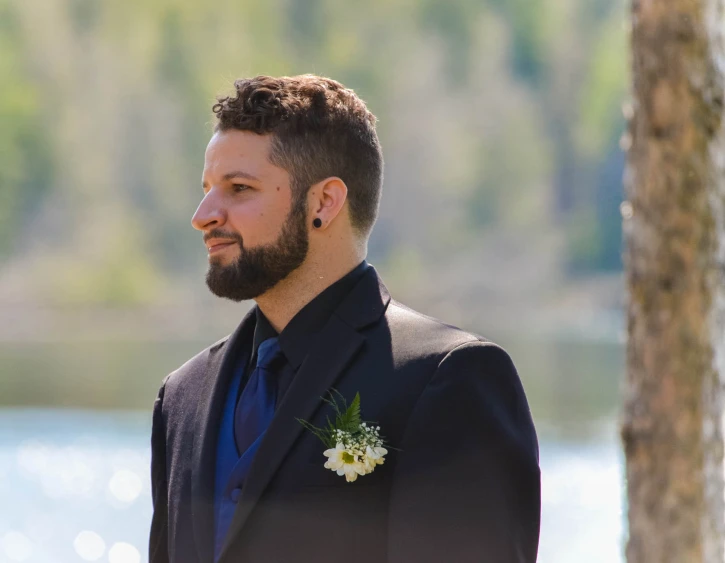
(257, 223)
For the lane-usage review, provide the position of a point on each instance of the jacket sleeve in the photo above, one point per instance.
(158, 537)
(466, 485)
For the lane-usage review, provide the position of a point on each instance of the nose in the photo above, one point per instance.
(210, 213)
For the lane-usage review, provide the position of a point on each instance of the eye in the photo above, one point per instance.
(240, 187)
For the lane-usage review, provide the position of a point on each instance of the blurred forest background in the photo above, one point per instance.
(501, 123)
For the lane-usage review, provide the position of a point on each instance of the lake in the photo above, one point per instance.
(74, 447)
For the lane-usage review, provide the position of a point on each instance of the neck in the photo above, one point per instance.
(281, 303)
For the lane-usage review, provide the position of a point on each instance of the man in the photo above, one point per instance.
(292, 180)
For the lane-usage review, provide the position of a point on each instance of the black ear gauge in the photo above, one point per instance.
(317, 222)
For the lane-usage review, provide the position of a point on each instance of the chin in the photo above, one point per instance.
(223, 258)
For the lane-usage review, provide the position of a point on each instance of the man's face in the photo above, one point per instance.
(254, 229)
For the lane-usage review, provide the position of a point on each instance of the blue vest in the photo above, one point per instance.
(231, 468)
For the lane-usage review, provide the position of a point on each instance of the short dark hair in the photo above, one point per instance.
(320, 129)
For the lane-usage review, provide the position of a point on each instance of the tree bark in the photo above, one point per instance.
(675, 260)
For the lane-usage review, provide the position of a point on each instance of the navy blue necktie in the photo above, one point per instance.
(255, 407)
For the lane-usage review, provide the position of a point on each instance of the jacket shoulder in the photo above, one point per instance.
(191, 371)
(428, 335)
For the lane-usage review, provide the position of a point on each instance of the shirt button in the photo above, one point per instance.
(235, 494)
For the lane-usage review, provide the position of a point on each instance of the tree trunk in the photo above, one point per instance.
(675, 261)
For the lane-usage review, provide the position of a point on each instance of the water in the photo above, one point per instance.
(74, 482)
(74, 486)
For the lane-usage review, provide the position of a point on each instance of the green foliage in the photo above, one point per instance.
(603, 91)
(347, 418)
(493, 115)
(84, 15)
(508, 187)
(114, 271)
(453, 21)
(528, 26)
(595, 236)
(25, 162)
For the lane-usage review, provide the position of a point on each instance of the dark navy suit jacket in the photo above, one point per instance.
(462, 486)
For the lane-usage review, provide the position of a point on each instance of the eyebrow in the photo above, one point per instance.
(235, 174)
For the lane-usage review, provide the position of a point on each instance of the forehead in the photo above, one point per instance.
(234, 149)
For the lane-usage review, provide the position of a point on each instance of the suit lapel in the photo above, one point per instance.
(223, 360)
(332, 352)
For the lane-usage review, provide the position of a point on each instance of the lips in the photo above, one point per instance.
(219, 246)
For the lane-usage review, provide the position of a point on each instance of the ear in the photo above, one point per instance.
(325, 200)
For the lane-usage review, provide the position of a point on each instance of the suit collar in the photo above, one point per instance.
(366, 303)
(298, 336)
(334, 349)
(222, 360)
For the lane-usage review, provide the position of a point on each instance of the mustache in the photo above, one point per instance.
(218, 233)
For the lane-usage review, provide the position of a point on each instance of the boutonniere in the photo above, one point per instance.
(354, 447)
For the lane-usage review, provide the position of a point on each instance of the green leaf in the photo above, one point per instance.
(350, 419)
(347, 418)
(354, 412)
(325, 435)
(333, 403)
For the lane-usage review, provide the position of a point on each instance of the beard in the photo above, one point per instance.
(259, 269)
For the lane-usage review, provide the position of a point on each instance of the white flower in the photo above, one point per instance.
(358, 449)
(352, 470)
(344, 462)
(334, 456)
(374, 457)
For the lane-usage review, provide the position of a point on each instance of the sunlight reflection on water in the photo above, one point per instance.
(78, 486)
(89, 545)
